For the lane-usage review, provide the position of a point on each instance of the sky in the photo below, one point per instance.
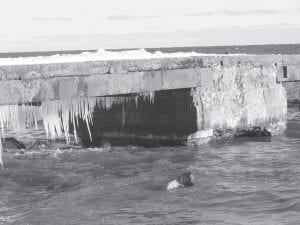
(43, 25)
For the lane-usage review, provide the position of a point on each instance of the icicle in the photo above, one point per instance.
(1, 161)
(151, 96)
(145, 96)
(57, 115)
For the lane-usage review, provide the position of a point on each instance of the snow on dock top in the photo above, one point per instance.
(100, 55)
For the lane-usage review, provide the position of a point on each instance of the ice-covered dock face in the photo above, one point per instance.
(226, 91)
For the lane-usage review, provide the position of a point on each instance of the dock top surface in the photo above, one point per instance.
(124, 62)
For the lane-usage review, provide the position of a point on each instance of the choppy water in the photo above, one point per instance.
(246, 181)
(286, 49)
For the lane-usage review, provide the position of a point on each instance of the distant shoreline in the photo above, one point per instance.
(284, 49)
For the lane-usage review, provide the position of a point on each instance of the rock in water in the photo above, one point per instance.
(38, 145)
(105, 144)
(253, 132)
(12, 143)
(184, 180)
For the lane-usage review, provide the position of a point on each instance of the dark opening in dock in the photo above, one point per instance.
(284, 71)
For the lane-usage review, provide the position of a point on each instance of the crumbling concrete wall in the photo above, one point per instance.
(239, 98)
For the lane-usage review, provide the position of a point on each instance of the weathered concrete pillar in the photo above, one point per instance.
(238, 98)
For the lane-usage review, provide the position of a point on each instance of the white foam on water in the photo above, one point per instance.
(100, 55)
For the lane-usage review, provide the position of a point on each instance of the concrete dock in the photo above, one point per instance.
(195, 98)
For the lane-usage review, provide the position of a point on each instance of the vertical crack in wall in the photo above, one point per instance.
(197, 100)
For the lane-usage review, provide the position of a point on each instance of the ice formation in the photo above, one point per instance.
(57, 115)
(99, 55)
(1, 162)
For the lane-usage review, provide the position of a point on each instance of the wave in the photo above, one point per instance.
(54, 151)
(99, 55)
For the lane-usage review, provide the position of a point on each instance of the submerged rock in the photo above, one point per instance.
(253, 132)
(201, 137)
(220, 135)
(104, 144)
(38, 145)
(12, 143)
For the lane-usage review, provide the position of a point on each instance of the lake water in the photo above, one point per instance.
(284, 49)
(242, 181)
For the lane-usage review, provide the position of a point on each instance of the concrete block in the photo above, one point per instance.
(68, 89)
(114, 84)
(16, 91)
(9, 95)
(276, 102)
(254, 107)
(206, 79)
(152, 80)
(185, 78)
